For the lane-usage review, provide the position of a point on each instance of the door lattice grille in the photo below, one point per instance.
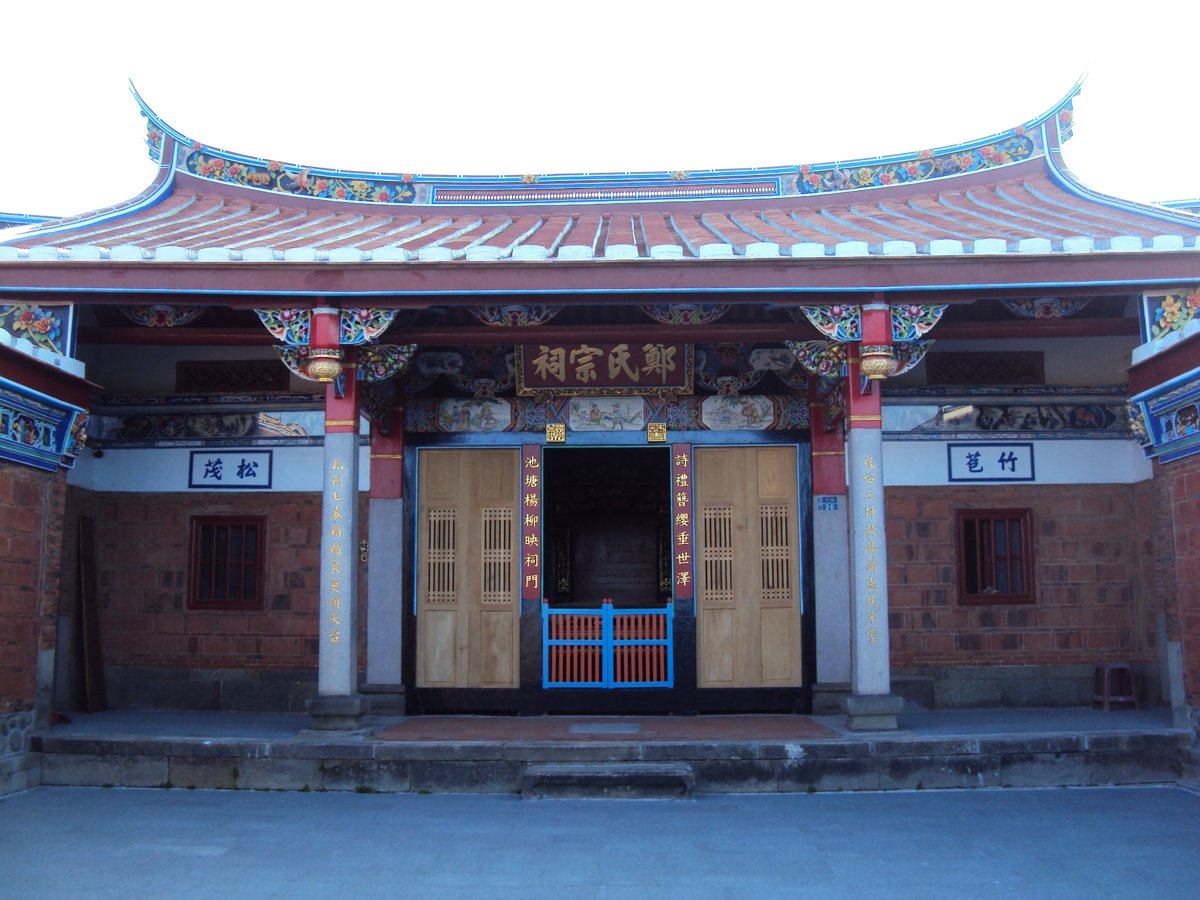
(497, 556)
(440, 557)
(717, 522)
(776, 547)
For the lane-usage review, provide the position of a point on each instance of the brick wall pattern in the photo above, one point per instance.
(31, 534)
(1178, 565)
(142, 582)
(1094, 562)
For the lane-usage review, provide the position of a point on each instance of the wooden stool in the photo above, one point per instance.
(1114, 682)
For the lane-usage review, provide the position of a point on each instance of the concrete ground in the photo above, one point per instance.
(914, 723)
(1094, 842)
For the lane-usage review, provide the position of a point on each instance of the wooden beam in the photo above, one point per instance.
(414, 285)
(767, 332)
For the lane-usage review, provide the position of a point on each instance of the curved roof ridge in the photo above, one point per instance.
(1063, 177)
(1029, 140)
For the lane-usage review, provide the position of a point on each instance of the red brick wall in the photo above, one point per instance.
(31, 515)
(142, 582)
(1093, 573)
(1178, 492)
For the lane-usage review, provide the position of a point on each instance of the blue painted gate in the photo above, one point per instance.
(608, 648)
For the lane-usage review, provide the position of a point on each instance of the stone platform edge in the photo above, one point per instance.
(313, 762)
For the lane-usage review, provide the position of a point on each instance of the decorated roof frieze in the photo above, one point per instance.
(1015, 145)
(922, 166)
(272, 175)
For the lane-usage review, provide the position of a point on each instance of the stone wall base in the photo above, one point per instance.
(827, 697)
(227, 690)
(857, 763)
(20, 768)
(20, 772)
(979, 687)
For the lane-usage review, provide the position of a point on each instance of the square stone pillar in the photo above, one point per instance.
(338, 705)
(385, 569)
(871, 705)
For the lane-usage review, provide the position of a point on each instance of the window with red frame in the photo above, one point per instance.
(227, 555)
(995, 556)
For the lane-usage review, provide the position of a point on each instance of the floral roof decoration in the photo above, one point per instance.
(275, 176)
(919, 167)
(1022, 142)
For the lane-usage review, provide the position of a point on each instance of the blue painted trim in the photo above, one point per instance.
(1169, 384)
(1061, 177)
(15, 219)
(38, 395)
(777, 289)
(138, 204)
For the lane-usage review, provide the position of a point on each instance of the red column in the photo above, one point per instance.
(828, 449)
(387, 457)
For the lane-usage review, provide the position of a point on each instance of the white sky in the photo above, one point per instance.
(537, 86)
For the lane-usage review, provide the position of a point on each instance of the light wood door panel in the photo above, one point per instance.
(468, 559)
(747, 546)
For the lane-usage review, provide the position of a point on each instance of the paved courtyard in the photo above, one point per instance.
(1096, 842)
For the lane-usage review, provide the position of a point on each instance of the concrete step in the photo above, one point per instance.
(629, 780)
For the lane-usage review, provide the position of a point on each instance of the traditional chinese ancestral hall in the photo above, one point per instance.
(922, 426)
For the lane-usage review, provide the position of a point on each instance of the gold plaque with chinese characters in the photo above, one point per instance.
(556, 433)
(656, 432)
(571, 370)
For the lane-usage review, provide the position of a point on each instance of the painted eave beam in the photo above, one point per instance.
(395, 285)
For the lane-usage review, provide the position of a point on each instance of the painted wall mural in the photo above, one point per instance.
(474, 415)
(610, 414)
(737, 413)
(606, 414)
(929, 412)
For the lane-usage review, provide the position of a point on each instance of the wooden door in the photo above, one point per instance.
(468, 569)
(748, 572)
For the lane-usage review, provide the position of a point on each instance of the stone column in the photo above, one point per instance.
(831, 559)
(385, 568)
(871, 705)
(338, 705)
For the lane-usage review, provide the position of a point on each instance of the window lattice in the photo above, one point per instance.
(498, 529)
(995, 563)
(776, 544)
(227, 556)
(440, 557)
(717, 522)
